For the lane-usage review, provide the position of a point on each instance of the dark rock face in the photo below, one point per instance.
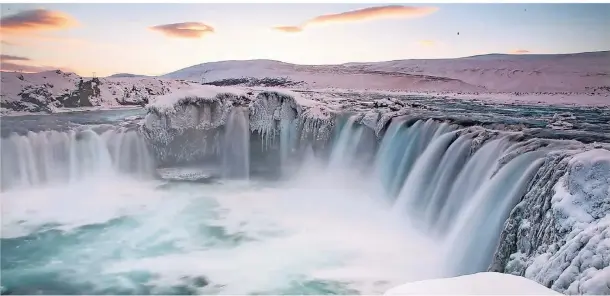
(40, 99)
(81, 96)
(267, 82)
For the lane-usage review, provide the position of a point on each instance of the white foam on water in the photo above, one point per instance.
(274, 236)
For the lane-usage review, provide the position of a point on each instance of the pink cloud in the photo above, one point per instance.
(371, 13)
(184, 30)
(36, 20)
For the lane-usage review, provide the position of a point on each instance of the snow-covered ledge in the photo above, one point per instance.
(186, 125)
(484, 283)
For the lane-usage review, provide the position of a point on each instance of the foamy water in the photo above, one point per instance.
(318, 233)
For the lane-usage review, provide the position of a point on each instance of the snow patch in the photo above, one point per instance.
(484, 283)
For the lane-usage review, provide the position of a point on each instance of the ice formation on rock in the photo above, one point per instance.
(186, 126)
(559, 234)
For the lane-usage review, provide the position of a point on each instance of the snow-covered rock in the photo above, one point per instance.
(187, 125)
(183, 125)
(559, 234)
(51, 91)
(484, 283)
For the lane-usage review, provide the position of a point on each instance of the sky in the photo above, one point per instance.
(154, 39)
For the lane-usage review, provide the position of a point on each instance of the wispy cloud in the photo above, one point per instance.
(520, 51)
(13, 67)
(426, 43)
(6, 57)
(184, 30)
(365, 14)
(36, 20)
(288, 29)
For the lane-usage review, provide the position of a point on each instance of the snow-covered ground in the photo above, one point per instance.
(497, 73)
(569, 79)
(484, 283)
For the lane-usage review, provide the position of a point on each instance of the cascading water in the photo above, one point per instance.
(444, 188)
(431, 202)
(51, 156)
(236, 145)
(479, 167)
(482, 218)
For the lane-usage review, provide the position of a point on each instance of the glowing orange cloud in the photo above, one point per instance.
(520, 51)
(365, 14)
(288, 29)
(427, 43)
(35, 20)
(184, 30)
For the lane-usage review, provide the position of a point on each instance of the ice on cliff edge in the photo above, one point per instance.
(484, 283)
(186, 125)
(559, 234)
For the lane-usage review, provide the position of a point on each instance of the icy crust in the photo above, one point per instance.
(483, 283)
(182, 126)
(559, 234)
(187, 125)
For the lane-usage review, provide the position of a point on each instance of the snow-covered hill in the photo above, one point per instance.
(581, 79)
(48, 91)
(578, 73)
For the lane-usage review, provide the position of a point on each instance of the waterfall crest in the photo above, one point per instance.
(51, 157)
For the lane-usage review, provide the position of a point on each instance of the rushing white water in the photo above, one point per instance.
(50, 156)
(269, 238)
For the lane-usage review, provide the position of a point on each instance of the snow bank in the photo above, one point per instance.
(484, 283)
(169, 101)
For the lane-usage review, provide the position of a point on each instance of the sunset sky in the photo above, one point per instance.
(154, 39)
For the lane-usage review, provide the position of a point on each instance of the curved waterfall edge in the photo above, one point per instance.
(504, 190)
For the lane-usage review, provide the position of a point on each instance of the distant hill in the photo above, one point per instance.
(123, 75)
(577, 72)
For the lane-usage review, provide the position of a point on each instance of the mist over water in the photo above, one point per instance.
(85, 212)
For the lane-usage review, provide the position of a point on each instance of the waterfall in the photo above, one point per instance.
(418, 185)
(479, 167)
(441, 179)
(346, 144)
(482, 218)
(51, 156)
(236, 145)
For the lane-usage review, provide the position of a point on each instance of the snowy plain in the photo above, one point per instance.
(581, 79)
